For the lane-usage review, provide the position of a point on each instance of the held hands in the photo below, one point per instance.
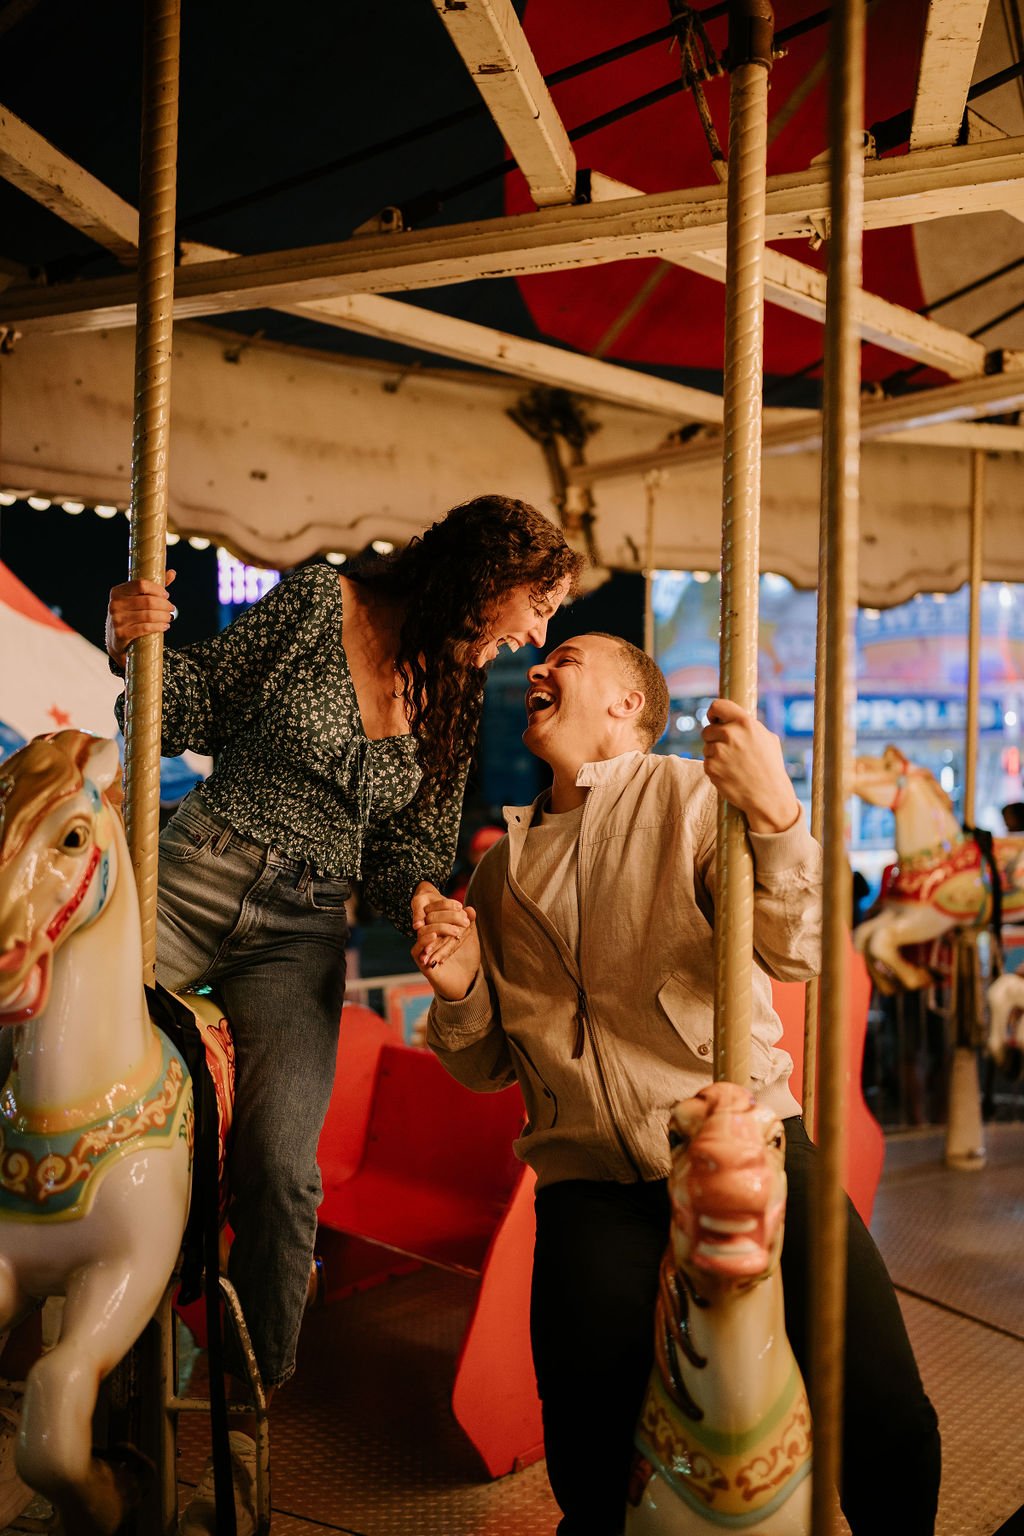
(447, 949)
(136, 608)
(743, 759)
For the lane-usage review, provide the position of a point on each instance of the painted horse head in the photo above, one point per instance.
(886, 780)
(58, 851)
(727, 1186)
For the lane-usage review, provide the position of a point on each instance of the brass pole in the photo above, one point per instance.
(841, 476)
(751, 25)
(150, 444)
(965, 1130)
(974, 637)
(651, 482)
(812, 991)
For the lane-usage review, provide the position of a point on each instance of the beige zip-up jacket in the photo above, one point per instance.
(605, 1044)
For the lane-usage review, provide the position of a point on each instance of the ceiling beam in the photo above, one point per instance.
(30, 162)
(533, 361)
(952, 35)
(992, 395)
(905, 189)
(494, 49)
(988, 436)
(802, 289)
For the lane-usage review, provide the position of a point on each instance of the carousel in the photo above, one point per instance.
(720, 290)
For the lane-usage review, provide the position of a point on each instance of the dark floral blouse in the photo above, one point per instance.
(272, 698)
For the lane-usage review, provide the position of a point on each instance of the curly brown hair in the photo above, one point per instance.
(449, 582)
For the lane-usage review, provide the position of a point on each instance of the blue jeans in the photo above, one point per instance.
(269, 937)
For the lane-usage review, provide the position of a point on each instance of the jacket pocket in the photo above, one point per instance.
(691, 1015)
(541, 1103)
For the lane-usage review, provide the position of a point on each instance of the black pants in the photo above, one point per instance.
(595, 1282)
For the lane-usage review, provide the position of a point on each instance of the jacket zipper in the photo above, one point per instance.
(580, 1040)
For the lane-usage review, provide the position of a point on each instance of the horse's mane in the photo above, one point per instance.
(33, 779)
(934, 788)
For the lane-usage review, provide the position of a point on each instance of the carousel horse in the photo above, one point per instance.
(724, 1438)
(1005, 1042)
(942, 878)
(96, 1117)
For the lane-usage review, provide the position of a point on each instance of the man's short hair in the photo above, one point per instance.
(643, 673)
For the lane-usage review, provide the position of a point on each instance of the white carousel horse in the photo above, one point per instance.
(1006, 1017)
(96, 1121)
(724, 1439)
(941, 881)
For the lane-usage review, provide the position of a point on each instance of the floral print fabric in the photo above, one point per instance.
(272, 698)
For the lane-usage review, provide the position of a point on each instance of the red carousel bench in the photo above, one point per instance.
(417, 1170)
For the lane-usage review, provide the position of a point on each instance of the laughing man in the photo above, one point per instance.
(584, 971)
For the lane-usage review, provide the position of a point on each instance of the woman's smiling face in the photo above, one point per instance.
(520, 620)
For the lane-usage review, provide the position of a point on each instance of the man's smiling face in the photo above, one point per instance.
(569, 699)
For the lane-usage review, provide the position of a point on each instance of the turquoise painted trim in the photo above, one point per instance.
(721, 1441)
(76, 1199)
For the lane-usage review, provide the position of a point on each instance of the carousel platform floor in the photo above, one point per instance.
(364, 1443)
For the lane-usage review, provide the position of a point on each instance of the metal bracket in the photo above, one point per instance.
(389, 221)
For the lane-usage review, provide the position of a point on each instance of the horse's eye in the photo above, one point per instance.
(75, 838)
(777, 1140)
(678, 1141)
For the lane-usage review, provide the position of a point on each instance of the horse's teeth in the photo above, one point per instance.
(722, 1224)
(726, 1250)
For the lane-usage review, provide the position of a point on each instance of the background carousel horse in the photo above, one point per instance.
(942, 879)
(724, 1439)
(1005, 1042)
(96, 1117)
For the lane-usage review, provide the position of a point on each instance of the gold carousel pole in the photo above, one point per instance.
(652, 480)
(150, 444)
(812, 991)
(840, 478)
(965, 1131)
(974, 636)
(751, 26)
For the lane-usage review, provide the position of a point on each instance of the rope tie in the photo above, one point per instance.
(699, 62)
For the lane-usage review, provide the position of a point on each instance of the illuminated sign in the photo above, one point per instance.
(899, 717)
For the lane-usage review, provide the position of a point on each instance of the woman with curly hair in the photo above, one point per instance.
(342, 712)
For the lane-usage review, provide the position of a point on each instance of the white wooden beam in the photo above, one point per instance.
(494, 49)
(988, 436)
(30, 162)
(905, 189)
(533, 361)
(992, 395)
(801, 289)
(49, 176)
(952, 35)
